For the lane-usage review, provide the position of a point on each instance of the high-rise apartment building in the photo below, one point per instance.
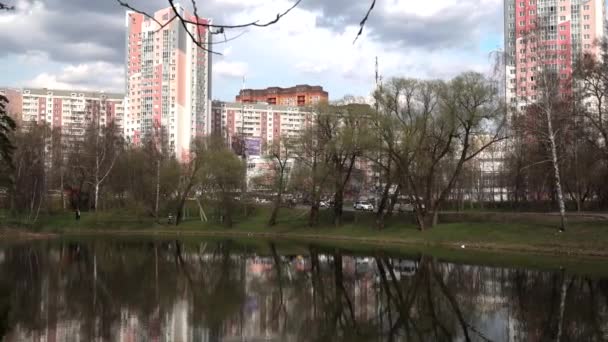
(551, 34)
(259, 122)
(300, 95)
(168, 79)
(71, 110)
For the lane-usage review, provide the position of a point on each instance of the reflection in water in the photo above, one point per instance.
(218, 291)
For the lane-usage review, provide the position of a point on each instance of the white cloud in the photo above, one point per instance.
(312, 68)
(313, 44)
(100, 76)
(227, 69)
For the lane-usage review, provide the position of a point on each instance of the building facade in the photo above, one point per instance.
(260, 122)
(551, 34)
(168, 81)
(70, 110)
(300, 95)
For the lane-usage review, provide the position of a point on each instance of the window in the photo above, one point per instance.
(562, 18)
(522, 23)
(586, 27)
(586, 17)
(522, 13)
(586, 7)
(586, 36)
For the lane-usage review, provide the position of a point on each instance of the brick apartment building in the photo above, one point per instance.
(300, 95)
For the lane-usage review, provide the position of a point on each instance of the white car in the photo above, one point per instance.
(364, 206)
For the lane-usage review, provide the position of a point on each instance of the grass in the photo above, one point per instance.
(504, 241)
(584, 237)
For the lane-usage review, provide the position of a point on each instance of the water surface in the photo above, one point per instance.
(133, 290)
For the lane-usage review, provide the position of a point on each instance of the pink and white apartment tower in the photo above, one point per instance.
(565, 30)
(168, 79)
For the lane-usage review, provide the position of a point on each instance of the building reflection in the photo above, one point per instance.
(102, 291)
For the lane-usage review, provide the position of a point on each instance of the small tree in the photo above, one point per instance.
(281, 154)
(314, 168)
(101, 147)
(223, 176)
(7, 126)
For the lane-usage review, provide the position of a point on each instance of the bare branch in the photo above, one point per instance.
(198, 23)
(364, 20)
(4, 7)
(198, 31)
(126, 5)
(253, 23)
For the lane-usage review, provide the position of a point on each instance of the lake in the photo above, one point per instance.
(216, 290)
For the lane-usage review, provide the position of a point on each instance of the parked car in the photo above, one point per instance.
(361, 205)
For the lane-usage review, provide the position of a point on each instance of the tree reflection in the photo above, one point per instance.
(168, 290)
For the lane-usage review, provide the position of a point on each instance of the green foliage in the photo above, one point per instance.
(7, 147)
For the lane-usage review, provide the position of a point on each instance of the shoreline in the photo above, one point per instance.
(563, 251)
(494, 232)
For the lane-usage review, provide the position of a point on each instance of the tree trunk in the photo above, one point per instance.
(157, 189)
(62, 190)
(562, 307)
(394, 199)
(338, 207)
(380, 214)
(277, 203)
(313, 218)
(558, 182)
(435, 217)
(96, 193)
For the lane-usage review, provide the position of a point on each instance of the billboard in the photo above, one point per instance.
(253, 146)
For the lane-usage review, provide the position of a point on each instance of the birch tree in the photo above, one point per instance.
(102, 145)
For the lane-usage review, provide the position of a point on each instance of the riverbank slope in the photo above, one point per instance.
(513, 232)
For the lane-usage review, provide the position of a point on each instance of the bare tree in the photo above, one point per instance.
(102, 145)
(7, 126)
(550, 99)
(313, 166)
(438, 125)
(281, 153)
(28, 191)
(343, 130)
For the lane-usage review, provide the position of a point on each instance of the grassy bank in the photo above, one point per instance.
(586, 236)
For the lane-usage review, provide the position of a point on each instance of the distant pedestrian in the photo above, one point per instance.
(77, 214)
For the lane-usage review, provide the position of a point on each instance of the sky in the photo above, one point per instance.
(80, 44)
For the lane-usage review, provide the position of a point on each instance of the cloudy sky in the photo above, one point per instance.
(81, 43)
